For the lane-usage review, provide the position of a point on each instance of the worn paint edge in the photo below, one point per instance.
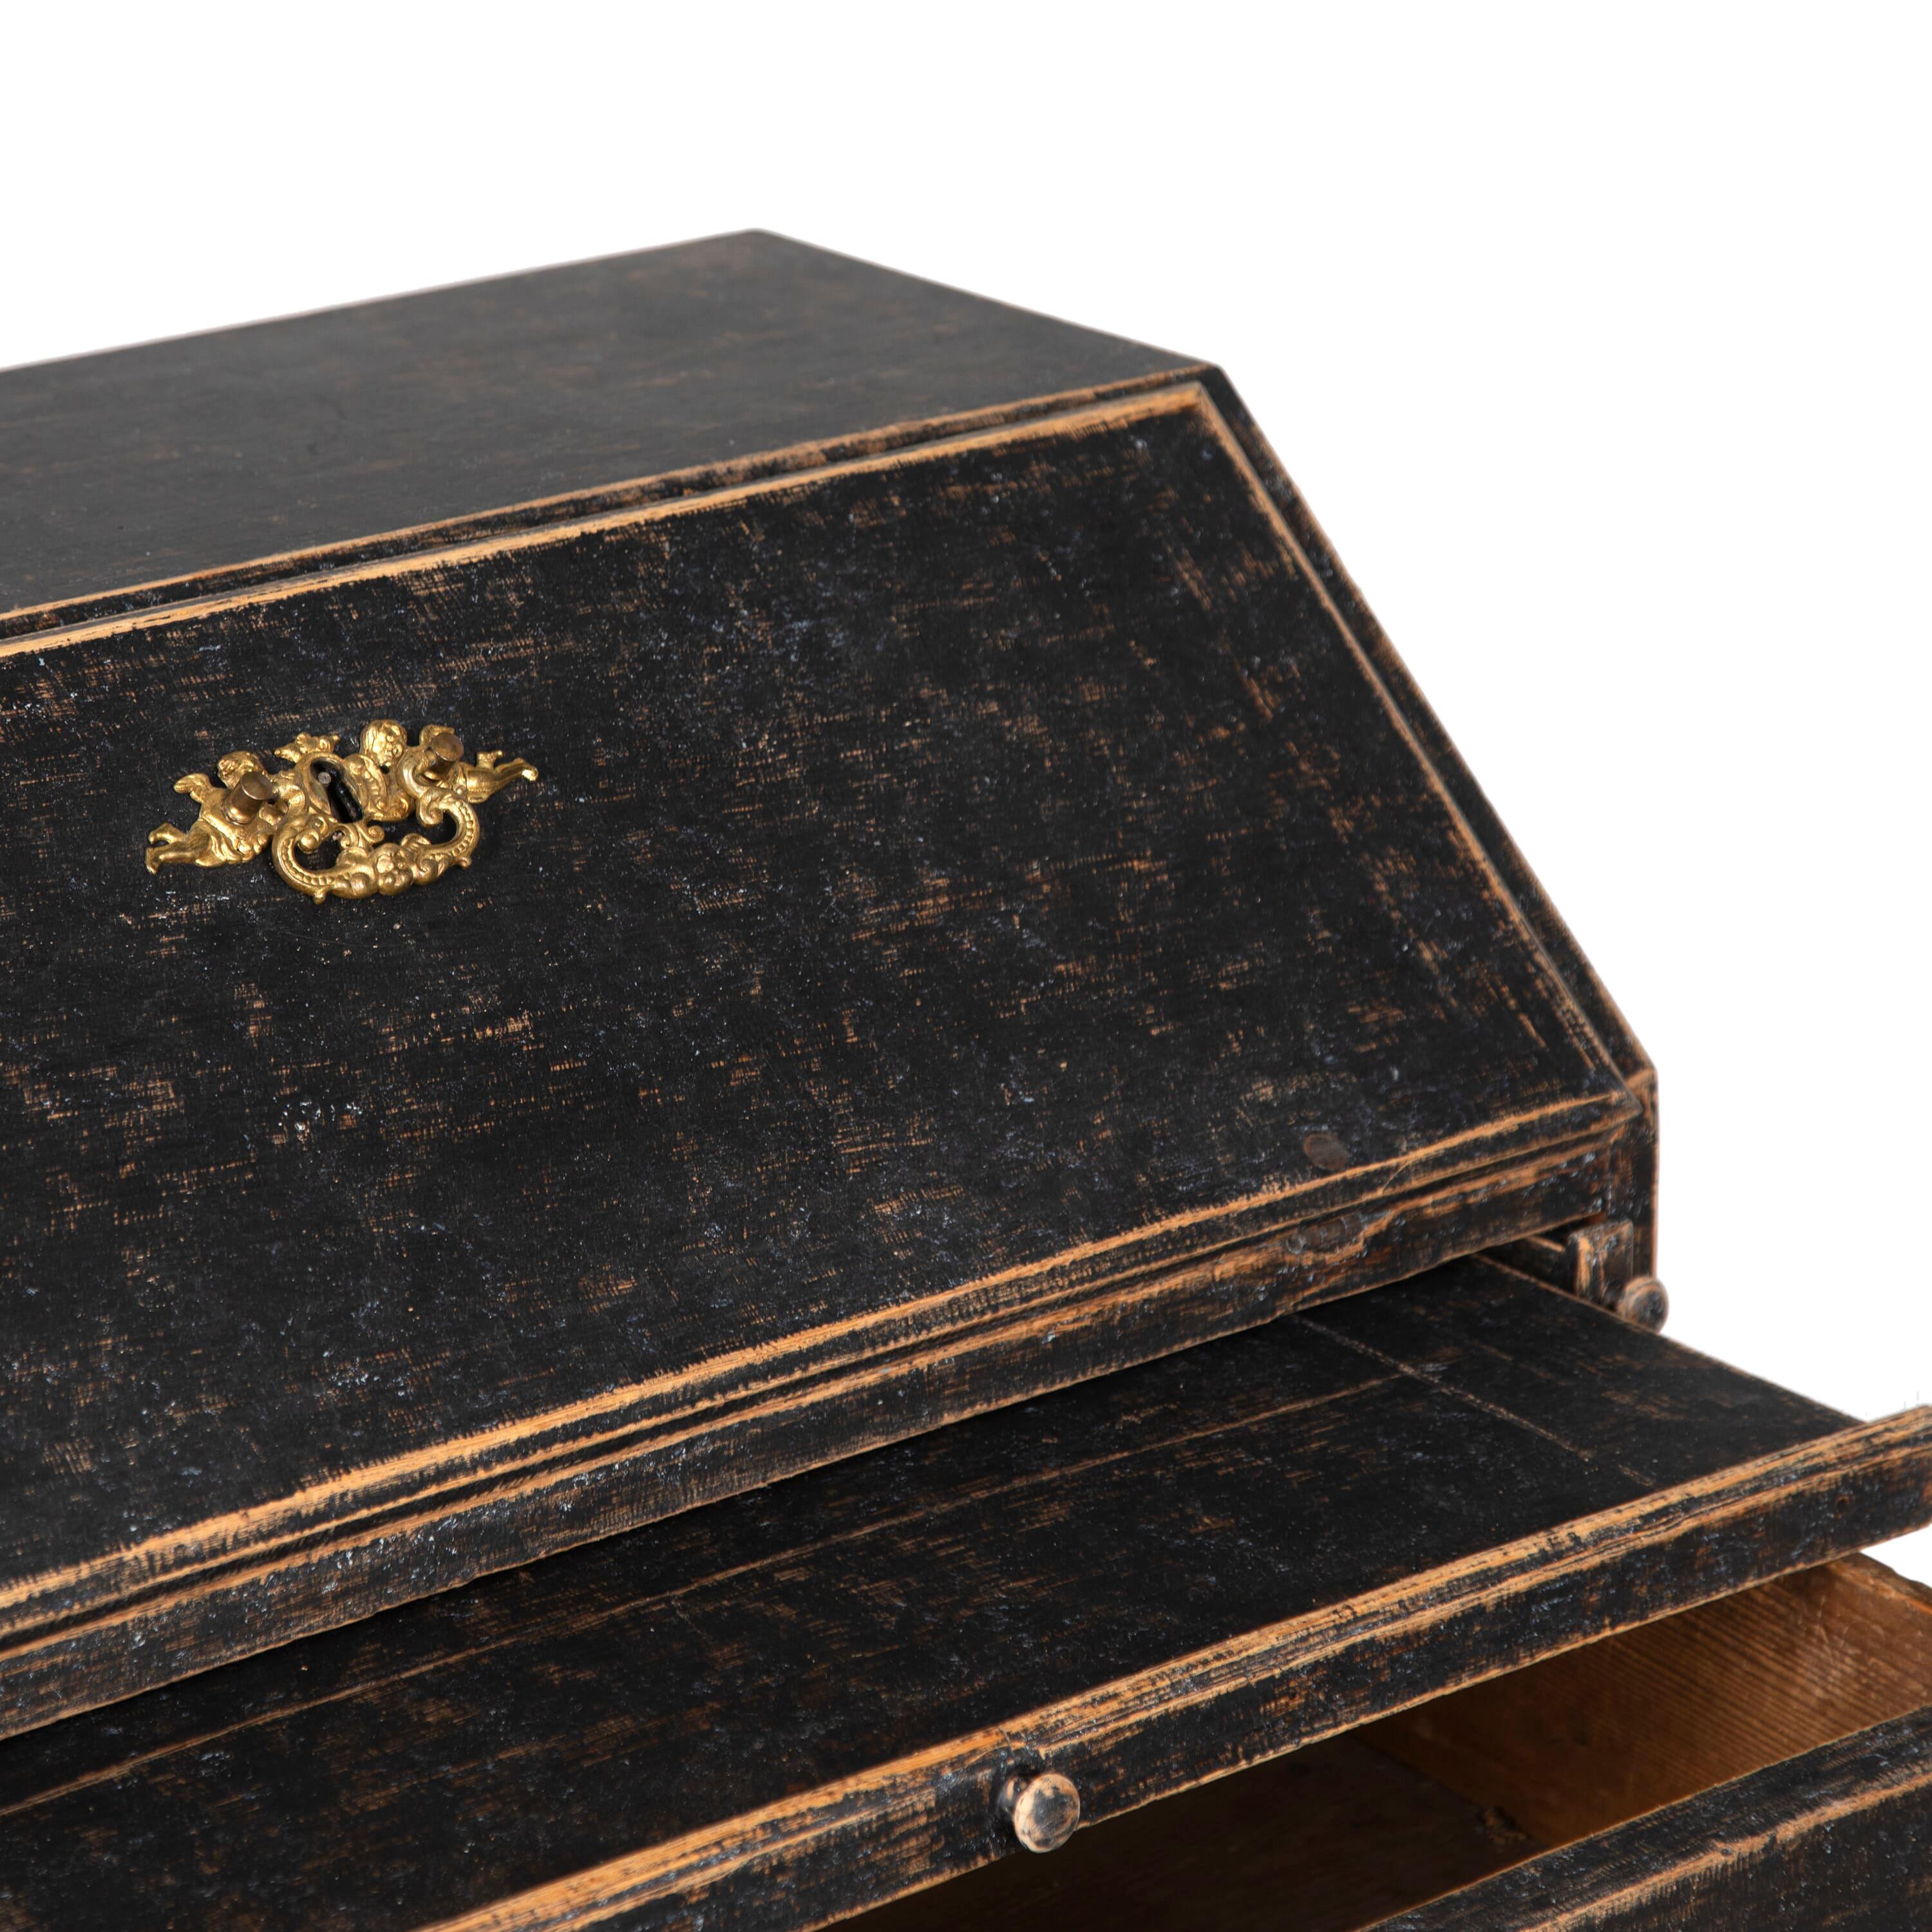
(1410, 700)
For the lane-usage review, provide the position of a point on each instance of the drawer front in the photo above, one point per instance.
(1837, 1840)
(1763, 1760)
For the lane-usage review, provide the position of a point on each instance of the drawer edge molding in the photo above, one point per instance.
(858, 1842)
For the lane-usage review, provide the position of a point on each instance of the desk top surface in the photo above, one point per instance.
(180, 457)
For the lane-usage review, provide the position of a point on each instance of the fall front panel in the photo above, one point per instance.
(945, 870)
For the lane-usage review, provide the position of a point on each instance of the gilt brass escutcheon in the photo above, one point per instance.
(327, 797)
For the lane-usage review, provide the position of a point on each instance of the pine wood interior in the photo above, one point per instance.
(1584, 1740)
(1340, 1837)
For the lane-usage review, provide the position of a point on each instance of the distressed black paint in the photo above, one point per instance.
(754, 1652)
(944, 870)
(179, 459)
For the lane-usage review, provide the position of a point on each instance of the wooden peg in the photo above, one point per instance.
(1042, 1809)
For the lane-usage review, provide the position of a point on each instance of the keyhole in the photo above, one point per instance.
(341, 800)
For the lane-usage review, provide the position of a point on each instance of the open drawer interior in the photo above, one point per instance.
(782, 1708)
(1362, 1828)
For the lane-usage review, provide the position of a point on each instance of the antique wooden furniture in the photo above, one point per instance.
(983, 1193)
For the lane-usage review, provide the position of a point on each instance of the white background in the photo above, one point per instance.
(1598, 337)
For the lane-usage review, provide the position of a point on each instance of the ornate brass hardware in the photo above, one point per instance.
(327, 797)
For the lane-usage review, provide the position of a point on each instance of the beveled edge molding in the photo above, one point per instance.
(1139, 1260)
(929, 1817)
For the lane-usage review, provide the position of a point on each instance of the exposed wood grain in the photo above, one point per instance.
(775, 1709)
(1839, 1840)
(1585, 1741)
(1720, 1723)
(964, 880)
(734, 492)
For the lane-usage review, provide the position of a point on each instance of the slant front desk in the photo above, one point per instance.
(774, 1121)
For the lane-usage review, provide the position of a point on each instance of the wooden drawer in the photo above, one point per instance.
(779, 1710)
(1763, 1759)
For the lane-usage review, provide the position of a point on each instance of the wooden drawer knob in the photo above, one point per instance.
(1644, 1303)
(1042, 1809)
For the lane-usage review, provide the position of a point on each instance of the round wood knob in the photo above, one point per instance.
(1644, 1303)
(1042, 1809)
